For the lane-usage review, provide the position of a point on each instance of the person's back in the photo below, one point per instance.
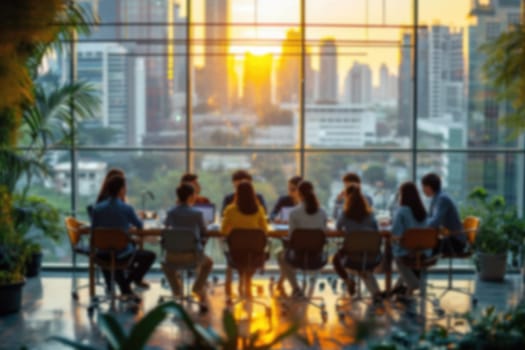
(114, 213)
(184, 216)
(301, 219)
(404, 220)
(307, 215)
(349, 225)
(229, 199)
(234, 218)
(444, 213)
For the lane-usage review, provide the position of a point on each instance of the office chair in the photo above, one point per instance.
(470, 229)
(418, 241)
(108, 251)
(361, 253)
(181, 253)
(74, 228)
(246, 252)
(305, 251)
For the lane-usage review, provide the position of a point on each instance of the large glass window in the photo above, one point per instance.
(212, 86)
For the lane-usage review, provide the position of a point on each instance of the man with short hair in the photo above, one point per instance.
(113, 212)
(443, 213)
(348, 179)
(238, 177)
(184, 216)
(193, 179)
(289, 200)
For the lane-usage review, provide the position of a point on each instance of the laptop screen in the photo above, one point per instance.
(285, 213)
(208, 212)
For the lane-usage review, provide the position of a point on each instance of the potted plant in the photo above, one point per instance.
(23, 43)
(12, 260)
(501, 232)
(35, 220)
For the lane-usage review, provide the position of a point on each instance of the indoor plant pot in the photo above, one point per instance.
(491, 266)
(11, 297)
(500, 233)
(33, 264)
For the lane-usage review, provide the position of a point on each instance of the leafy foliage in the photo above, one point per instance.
(501, 229)
(203, 338)
(26, 35)
(504, 67)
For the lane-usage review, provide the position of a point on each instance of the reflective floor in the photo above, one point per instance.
(48, 309)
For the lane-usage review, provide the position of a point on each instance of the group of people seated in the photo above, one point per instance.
(246, 209)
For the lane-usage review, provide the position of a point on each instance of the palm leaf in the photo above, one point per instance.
(71, 343)
(112, 330)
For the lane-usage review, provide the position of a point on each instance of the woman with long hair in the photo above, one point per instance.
(244, 213)
(357, 216)
(306, 215)
(103, 193)
(411, 214)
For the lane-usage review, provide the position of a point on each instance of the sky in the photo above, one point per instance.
(342, 19)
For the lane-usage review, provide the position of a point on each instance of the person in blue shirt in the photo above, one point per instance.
(348, 180)
(238, 177)
(411, 214)
(289, 200)
(113, 212)
(356, 217)
(184, 216)
(443, 214)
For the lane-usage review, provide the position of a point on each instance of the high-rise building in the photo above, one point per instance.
(358, 84)
(288, 71)
(484, 111)
(105, 67)
(217, 91)
(156, 44)
(328, 82)
(384, 82)
(406, 82)
(257, 78)
(445, 73)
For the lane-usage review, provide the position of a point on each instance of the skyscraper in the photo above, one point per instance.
(105, 66)
(217, 91)
(445, 73)
(288, 70)
(384, 82)
(328, 92)
(257, 77)
(406, 85)
(358, 84)
(155, 43)
(495, 173)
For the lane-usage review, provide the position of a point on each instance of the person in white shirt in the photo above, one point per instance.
(307, 215)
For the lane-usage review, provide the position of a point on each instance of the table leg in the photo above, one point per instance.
(91, 277)
(388, 264)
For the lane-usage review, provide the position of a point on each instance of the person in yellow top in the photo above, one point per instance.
(245, 212)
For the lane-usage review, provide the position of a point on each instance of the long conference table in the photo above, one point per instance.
(274, 233)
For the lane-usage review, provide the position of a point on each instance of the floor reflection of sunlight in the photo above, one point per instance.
(48, 310)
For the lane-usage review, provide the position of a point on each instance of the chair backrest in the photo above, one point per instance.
(419, 239)
(363, 242)
(247, 248)
(247, 240)
(307, 240)
(109, 239)
(72, 227)
(179, 240)
(470, 227)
